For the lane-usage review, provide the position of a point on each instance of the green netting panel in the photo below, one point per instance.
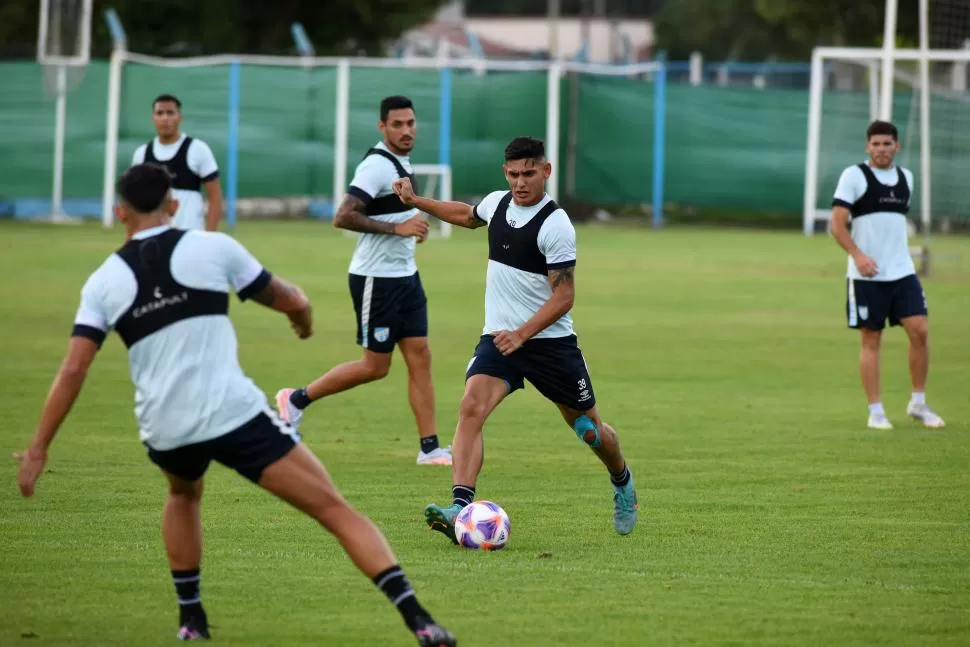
(615, 127)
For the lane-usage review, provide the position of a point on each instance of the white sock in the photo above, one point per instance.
(876, 409)
(918, 398)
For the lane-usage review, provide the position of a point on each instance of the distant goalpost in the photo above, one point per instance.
(918, 89)
(436, 178)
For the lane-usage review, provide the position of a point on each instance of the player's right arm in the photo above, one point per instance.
(372, 176)
(851, 187)
(252, 281)
(456, 213)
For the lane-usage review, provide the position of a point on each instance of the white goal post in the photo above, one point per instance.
(815, 207)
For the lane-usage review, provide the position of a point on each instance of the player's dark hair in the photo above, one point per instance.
(882, 128)
(397, 102)
(167, 98)
(144, 187)
(525, 148)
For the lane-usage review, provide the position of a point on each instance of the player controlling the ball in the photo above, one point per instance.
(528, 333)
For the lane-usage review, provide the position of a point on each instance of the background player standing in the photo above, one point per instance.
(385, 286)
(189, 161)
(881, 278)
(166, 293)
(528, 331)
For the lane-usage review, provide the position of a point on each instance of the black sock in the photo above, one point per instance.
(462, 494)
(394, 583)
(300, 399)
(621, 479)
(190, 601)
(429, 444)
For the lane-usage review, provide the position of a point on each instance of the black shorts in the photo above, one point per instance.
(554, 366)
(870, 303)
(388, 310)
(249, 450)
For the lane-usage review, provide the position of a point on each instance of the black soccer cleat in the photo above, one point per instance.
(433, 635)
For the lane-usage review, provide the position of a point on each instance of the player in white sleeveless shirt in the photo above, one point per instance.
(190, 162)
(389, 300)
(881, 281)
(528, 332)
(166, 294)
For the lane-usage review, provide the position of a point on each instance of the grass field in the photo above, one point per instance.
(770, 514)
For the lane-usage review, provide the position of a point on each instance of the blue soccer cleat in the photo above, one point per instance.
(625, 507)
(443, 519)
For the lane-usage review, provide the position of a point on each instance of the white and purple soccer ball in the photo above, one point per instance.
(482, 525)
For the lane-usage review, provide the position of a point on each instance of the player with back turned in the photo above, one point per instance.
(166, 294)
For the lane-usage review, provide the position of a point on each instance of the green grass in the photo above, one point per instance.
(771, 515)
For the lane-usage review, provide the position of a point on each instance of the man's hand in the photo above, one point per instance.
(403, 189)
(31, 467)
(416, 226)
(508, 341)
(865, 265)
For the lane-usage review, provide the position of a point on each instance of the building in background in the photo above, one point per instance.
(597, 31)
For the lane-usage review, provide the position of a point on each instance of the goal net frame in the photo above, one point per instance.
(883, 73)
(554, 72)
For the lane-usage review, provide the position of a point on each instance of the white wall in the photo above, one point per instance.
(535, 34)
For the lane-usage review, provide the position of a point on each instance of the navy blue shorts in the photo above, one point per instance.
(554, 366)
(870, 303)
(388, 310)
(249, 450)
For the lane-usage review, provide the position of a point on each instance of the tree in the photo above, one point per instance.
(230, 26)
(786, 29)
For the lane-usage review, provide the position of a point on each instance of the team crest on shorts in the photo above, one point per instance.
(863, 312)
(381, 334)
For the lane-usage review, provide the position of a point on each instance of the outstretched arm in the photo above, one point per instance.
(456, 213)
(61, 397)
(563, 295)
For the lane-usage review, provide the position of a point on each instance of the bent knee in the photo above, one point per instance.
(378, 365)
(473, 409)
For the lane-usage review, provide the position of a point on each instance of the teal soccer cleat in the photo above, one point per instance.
(625, 508)
(443, 519)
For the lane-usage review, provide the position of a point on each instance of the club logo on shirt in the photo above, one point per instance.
(161, 301)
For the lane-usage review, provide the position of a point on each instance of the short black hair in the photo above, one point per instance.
(882, 128)
(144, 187)
(167, 98)
(396, 102)
(525, 148)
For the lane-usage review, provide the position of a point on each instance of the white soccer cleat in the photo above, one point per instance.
(879, 421)
(440, 456)
(287, 410)
(922, 413)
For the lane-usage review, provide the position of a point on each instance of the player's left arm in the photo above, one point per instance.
(557, 240)
(90, 329)
(203, 164)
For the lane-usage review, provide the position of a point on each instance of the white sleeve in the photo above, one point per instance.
(245, 274)
(373, 175)
(91, 320)
(557, 241)
(912, 184)
(485, 209)
(202, 161)
(851, 187)
(139, 156)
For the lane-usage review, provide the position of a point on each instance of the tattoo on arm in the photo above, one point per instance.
(563, 276)
(350, 215)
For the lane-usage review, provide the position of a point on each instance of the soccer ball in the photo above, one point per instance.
(482, 525)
